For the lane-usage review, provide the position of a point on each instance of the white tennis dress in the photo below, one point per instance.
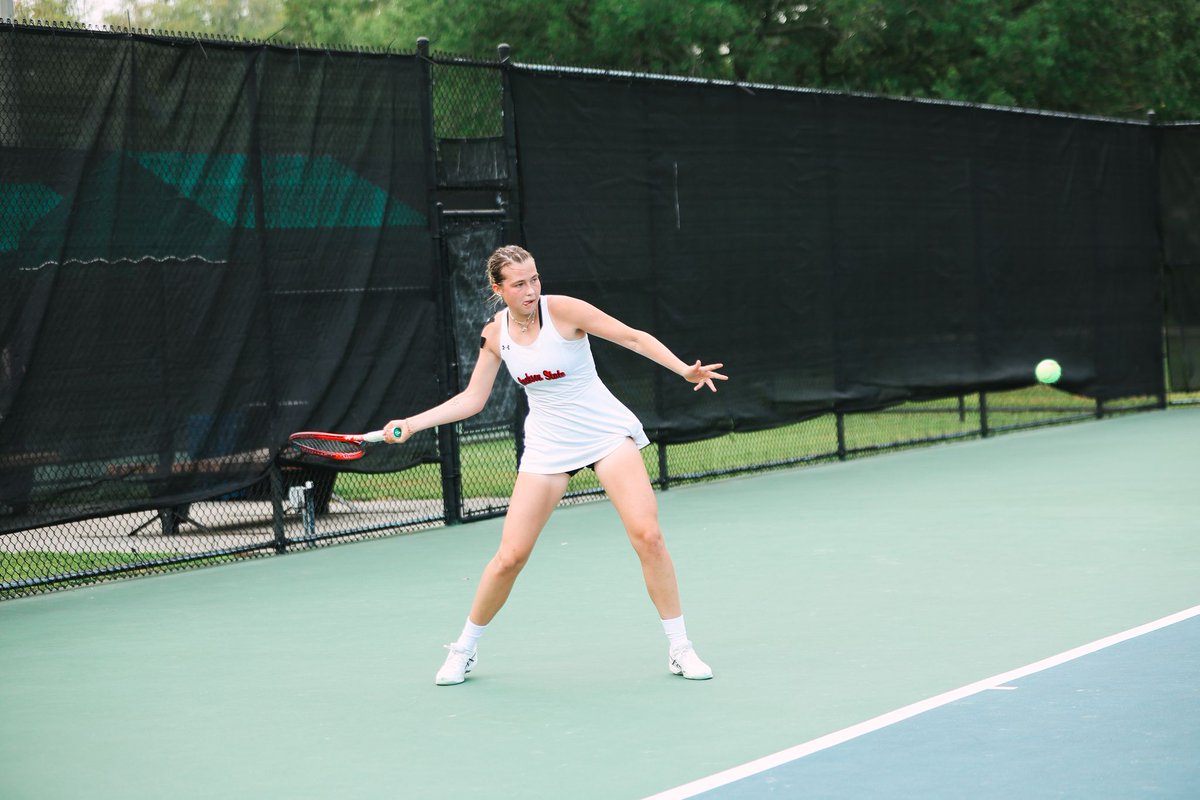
(574, 420)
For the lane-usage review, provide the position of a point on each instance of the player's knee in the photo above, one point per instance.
(509, 561)
(647, 539)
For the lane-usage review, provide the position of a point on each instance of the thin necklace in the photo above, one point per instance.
(524, 326)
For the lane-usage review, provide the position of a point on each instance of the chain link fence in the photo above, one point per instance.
(288, 504)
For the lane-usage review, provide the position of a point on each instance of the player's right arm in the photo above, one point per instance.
(467, 403)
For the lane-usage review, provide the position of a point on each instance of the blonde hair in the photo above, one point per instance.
(501, 258)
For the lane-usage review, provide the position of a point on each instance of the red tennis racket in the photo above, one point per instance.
(338, 446)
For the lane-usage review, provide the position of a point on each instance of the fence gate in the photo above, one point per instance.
(478, 212)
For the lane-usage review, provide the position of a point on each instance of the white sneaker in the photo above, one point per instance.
(458, 664)
(685, 662)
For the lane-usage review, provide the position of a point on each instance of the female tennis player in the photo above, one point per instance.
(574, 422)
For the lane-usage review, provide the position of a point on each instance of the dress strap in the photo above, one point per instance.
(502, 318)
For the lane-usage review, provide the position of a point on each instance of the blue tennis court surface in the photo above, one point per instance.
(1121, 722)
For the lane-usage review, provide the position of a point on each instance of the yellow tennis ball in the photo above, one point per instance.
(1048, 371)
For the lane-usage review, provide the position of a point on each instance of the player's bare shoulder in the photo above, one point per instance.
(564, 304)
(570, 314)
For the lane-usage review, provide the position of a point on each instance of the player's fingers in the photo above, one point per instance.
(704, 374)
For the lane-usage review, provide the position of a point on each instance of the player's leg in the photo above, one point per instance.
(533, 499)
(623, 476)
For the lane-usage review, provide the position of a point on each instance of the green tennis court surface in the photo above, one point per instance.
(822, 597)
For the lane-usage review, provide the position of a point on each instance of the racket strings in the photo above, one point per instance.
(332, 446)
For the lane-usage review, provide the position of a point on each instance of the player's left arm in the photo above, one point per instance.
(586, 318)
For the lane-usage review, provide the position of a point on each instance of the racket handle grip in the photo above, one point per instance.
(373, 436)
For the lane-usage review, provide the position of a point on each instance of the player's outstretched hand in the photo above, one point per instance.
(704, 375)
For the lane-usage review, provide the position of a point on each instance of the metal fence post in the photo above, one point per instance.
(983, 415)
(513, 220)
(450, 457)
(1163, 278)
(276, 474)
(664, 473)
(514, 230)
(448, 443)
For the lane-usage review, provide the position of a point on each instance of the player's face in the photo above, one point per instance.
(521, 288)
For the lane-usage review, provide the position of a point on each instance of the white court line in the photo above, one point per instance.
(892, 717)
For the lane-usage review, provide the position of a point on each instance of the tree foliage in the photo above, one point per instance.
(1086, 56)
(48, 10)
(245, 19)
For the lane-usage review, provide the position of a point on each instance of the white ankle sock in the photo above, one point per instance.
(676, 631)
(469, 638)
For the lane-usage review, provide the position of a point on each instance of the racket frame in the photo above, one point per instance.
(358, 440)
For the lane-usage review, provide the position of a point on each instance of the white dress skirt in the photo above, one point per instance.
(574, 420)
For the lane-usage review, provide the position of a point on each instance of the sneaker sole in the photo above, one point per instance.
(444, 682)
(679, 671)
